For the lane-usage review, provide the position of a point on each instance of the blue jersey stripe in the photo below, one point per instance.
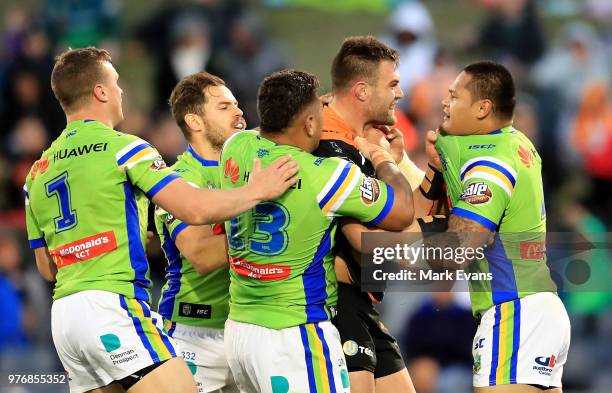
(161, 184)
(336, 185)
(178, 229)
(138, 257)
(493, 165)
(386, 209)
(503, 282)
(35, 243)
(203, 161)
(162, 335)
(495, 348)
(516, 340)
(330, 370)
(139, 330)
(173, 275)
(314, 281)
(308, 358)
(132, 153)
(485, 222)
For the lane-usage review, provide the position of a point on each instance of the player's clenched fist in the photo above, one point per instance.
(273, 181)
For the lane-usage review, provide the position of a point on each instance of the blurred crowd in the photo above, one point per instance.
(564, 85)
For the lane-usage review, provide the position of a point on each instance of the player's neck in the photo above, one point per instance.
(351, 117)
(489, 127)
(287, 137)
(88, 114)
(205, 150)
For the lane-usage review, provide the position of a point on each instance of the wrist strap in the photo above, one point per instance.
(432, 186)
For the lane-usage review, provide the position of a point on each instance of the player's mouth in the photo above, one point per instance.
(446, 116)
(239, 125)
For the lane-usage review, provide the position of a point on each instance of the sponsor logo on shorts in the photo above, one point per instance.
(351, 348)
(232, 170)
(477, 194)
(111, 343)
(123, 357)
(545, 364)
(533, 250)
(370, 190)
(84, 249)
(477, 364)
(158, 164)
(262, 272)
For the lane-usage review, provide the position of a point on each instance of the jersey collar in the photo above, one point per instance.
(335, 128)
(502, 130)
(202, 160)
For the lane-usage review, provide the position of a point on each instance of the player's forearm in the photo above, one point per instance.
(389, 173)
(45, 265)
(217, 206)
(468, 238)
(207, 255)
(197, 206)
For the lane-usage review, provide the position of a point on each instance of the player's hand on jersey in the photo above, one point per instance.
(367, 147)
(391, 139)
(430, 149)
(272, 182)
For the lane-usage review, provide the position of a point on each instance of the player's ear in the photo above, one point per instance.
(484, 108)
(360, 90)
(194, 122)
(309, 126)
(99, 92)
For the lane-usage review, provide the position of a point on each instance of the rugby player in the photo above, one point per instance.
(365, 90)
(86, 204)
(493, 175)
(195, 299)
(278, 335)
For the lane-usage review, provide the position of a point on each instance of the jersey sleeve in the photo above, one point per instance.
(144, 167)
(487, 186)
(35, 235)
(167, 224)
(347, 192)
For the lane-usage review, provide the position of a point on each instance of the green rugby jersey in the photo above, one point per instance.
(495, 179)
(282, 271)
(189, 297)
(86, 201)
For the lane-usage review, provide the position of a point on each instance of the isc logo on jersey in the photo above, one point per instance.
(477, 194)
(370, 191)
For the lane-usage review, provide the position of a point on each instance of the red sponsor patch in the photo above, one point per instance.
(232, 170)
(525, 156)
(533, 250)
(84, 249)
(218, 229)
(40, 166)
(259, 272)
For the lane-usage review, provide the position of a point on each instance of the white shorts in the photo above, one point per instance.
(101, 337)
(523, 341)
(204, 352)
(305, 359)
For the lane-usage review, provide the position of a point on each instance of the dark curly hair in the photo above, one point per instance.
(284, 95)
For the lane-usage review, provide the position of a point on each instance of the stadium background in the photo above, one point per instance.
(560, 52)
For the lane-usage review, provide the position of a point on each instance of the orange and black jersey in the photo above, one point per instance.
(337, 140)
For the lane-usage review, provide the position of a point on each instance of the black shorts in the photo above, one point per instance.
(367, 344)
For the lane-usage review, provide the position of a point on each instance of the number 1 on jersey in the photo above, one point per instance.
(60, 188)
